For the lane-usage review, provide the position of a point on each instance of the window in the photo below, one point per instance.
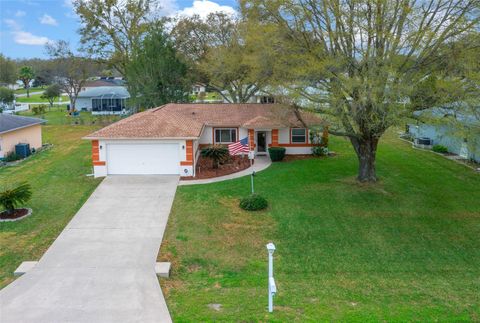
(224, 136)
(109, 104)
(299, 135)
(267, 99)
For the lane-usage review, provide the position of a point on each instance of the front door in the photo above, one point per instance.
(261, 142)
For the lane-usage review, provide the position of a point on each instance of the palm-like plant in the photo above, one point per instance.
(10, 198)
(216, 153)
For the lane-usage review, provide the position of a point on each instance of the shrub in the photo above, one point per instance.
(253, 202)
(276, 153)
(11, 157)
(10, 198)
(39, 109)
(216, 153)
(319, 151)
(440, 149)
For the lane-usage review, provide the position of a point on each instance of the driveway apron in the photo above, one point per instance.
(101, 267)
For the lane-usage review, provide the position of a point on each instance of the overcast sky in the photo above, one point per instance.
(26, 25)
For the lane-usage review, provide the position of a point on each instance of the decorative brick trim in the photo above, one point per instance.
(96, 154)
(274, 138)
(189, 153)
(251, 138)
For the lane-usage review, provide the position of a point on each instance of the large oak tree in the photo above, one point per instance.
(358, 61)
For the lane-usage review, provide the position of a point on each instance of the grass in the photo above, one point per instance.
(36, 98)
(32, 89)
(58, 115)
(405, 249)
(60, 187)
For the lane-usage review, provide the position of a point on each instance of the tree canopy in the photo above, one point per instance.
(71, 69)
(8, 71)
(155, 74)
(26, 74)
(112, 29)
(221, 55)
(358, 61)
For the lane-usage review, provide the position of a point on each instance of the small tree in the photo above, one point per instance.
(216, 153)
(8, 71)
(6, 95)
(26, 75)
(72, 70)
(52, 93)
(11, 198)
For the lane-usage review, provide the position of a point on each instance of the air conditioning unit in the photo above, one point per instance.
(424, 141)
(22, 150)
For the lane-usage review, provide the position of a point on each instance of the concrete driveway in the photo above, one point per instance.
(101, 267)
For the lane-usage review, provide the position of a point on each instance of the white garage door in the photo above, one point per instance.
(142, 159)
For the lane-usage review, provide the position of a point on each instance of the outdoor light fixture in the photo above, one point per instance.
(101, 146)
(183, 146)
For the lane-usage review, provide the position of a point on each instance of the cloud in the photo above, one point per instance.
(24, 37)
(20, 13)
(205, 7)
(48, 20)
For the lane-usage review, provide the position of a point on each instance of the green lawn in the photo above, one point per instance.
(60, 187)
(38, 98)
(32, 89)
(405, 249)
(58, 115)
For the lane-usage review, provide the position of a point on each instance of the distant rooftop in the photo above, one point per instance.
(106, 92)
(105, 82)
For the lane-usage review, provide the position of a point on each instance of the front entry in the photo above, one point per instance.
(261, 142)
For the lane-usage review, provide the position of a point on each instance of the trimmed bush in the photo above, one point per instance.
(11, 157)
(319, 151)
(440, 149)
(276, 153)
(253, 202)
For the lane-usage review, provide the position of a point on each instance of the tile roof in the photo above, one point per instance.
(187, 120)
(10, 122)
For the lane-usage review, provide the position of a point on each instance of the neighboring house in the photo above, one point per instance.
(103, 96)
(259, 97)
(16, 129)
(445, 133)
(168, 139)
(198, 88)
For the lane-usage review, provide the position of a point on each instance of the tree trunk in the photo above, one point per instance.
(366, 150)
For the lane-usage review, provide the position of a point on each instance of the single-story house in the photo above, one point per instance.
(168, 139)
(452, 133)
(17, 129)
(103, 96)
(198, 88)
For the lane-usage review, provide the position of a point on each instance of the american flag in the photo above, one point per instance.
(240, 146)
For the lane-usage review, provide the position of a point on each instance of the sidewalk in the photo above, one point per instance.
(261, 163)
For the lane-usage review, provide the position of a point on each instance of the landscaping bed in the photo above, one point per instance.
(15, 215)
(204, 168)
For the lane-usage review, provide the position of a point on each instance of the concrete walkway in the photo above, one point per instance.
(261, 163)
(101, 267)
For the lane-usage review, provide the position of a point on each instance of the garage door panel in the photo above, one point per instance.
(139, 159)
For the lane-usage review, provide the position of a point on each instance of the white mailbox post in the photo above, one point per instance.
(272, 288)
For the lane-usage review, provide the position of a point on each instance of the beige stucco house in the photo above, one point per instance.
(17, 129)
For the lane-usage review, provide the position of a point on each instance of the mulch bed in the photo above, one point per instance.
(17, 213)
(204, 168)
